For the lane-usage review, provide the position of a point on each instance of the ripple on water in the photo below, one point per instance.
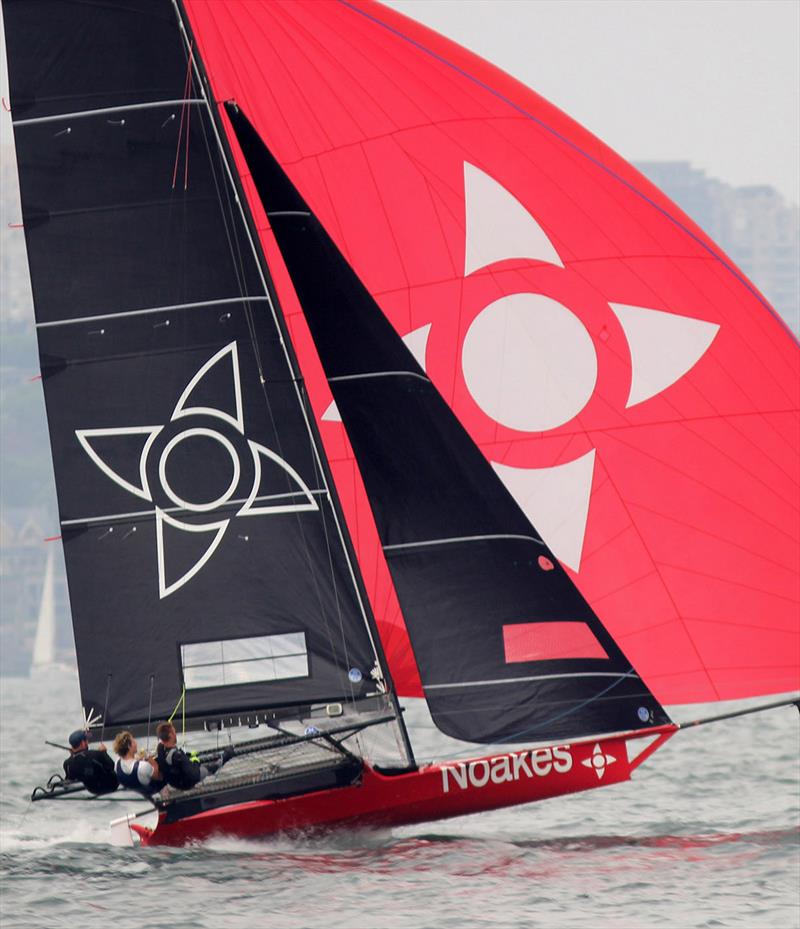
(707, 835)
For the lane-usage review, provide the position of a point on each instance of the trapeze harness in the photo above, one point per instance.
(132, 782)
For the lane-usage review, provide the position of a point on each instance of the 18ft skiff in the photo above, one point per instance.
(370, 375)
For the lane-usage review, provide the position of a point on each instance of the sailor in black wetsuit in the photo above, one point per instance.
(91, 766)
(176, 767)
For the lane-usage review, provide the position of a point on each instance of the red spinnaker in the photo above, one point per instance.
(636, 393)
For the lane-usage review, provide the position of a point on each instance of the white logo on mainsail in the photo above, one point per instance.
(188, 406)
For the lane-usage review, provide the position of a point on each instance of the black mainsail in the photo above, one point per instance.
(206, 558)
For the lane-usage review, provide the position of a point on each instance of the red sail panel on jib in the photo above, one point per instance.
(646, 420)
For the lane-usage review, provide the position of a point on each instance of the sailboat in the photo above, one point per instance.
(46, 659)
(43, 657)
(375, 382)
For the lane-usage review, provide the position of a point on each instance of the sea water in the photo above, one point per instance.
(707, 834)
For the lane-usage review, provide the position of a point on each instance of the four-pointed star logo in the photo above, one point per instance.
(598, 761)
(531, 366)
(190, 408)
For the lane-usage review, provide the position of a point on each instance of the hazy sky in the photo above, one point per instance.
(714, 82)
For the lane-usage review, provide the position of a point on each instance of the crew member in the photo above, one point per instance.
(176, 767)
(92, 767)
(136, 773)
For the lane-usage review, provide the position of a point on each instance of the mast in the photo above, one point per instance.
(286, 343)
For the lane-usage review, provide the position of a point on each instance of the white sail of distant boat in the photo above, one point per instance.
(44, 658)
(44, 646)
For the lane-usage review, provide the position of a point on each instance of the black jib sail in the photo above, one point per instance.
(204, 550)
(507, 647)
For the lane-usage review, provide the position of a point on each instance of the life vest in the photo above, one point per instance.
(94, 769)
(132, 782)
(177, 769)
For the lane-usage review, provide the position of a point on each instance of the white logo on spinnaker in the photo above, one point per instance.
(214, 530)
(515, 766)
(548, 360)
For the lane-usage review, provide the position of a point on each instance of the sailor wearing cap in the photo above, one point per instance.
(92, 767)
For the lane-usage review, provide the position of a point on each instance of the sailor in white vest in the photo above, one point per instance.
(139, 774)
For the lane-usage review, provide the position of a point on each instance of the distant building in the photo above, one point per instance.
(755, 226)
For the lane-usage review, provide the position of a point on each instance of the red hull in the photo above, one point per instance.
(437, 791)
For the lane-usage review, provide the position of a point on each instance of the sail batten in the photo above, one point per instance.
(536, 677)
(457, 540)
(147, 311)
(230, 505)
(105, 111)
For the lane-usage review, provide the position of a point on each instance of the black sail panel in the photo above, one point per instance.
(202, 545)
(507, 647)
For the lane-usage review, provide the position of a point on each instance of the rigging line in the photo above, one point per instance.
(791, 701)
(175, 710)
(335, 586)
(230, 225)
(186, 85)
(104, 110)
(223, 191)
(229, 220)
(539, 677)
(273, 310)
(188, 121)
(150, 711)
(181, 702)
(105, 709)
(251, 322)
